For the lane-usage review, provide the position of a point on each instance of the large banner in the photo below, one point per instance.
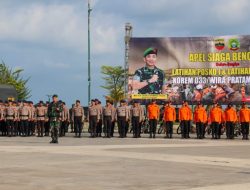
(205, 69)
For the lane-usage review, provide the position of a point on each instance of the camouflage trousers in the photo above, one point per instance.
(54, 129)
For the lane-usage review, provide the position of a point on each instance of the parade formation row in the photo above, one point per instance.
(26, 119)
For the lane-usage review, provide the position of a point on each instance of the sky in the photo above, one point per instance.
(48, 38)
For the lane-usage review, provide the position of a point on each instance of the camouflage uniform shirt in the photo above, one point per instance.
(144, 74)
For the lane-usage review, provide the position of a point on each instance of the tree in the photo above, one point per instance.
(114, 82)
(13, 77)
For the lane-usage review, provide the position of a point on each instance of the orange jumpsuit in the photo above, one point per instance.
(185, 115)
(153, 116)
(230, 118)
(200, 118)
(244, 118)
(169, 117)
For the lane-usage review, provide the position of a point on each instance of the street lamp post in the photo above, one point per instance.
(89, 69)
(49, 96)
(128, 35)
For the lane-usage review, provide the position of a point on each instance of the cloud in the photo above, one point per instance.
(42, 24)
(106, 33)
(231, 11)
(56, 65)
(58, 26)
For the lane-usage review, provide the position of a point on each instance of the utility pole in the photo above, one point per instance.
(128, 35)
(89, 69)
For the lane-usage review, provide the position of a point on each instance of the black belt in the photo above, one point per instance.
(41, 116)
(9, 115)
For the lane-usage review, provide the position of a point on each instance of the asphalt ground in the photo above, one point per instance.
(28, 163)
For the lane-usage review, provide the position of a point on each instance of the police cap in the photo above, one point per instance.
(136, 101)
(123, 101)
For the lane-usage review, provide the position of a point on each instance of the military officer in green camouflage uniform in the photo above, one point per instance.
(54, 112)
(149, 79)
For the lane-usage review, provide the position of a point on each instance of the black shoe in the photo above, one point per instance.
(52, 142)
(154, 136)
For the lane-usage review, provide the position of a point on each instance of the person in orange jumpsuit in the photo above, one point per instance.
(184, 118)
(190, 119)
(244, 118)
(231, 119)
(216, 118)
(200, 118)
(153, 116)
(169, 116)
